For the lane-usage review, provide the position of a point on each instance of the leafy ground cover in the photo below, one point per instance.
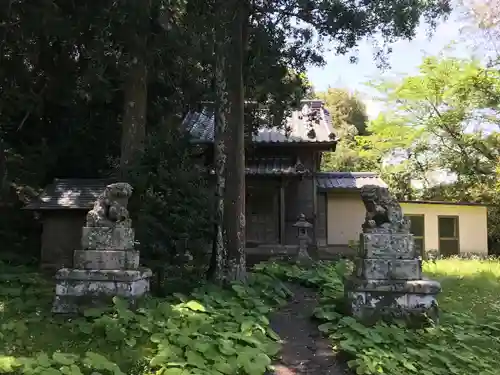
(467, 341)
(210, 331)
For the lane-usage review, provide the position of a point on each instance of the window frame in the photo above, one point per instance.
(422, 237)
(456, 230)
(456, 227)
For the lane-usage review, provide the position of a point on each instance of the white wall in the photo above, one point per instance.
(472, 224)
(346, 214)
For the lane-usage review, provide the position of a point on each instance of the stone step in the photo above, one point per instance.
(422, 286)
(415, 317)
(104, 238)
(388, 269)
(65, 304)
(100, 288)
(386, 245)
(106, 259)
(372, 300)
(124, 283)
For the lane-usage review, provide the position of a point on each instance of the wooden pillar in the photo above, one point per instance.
(315, 211)
(282, 212)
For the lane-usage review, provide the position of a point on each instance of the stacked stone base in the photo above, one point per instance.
(387, 282)
(413, 301)
(78, 289)
(100, 274)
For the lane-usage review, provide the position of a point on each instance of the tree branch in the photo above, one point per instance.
(457, 136)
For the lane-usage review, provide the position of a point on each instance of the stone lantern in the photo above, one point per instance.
(303, 227)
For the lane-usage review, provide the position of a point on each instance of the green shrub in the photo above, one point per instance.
(467, 341)
(212, 331)
(171, 205)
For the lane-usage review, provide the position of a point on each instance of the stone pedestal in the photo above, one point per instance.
(387, 281)
(107, 267)
(106, 238)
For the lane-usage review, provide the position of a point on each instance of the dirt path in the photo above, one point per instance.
(305, 351)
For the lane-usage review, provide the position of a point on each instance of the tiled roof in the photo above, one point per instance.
(273, 166)
(347, 180)
(82, 193)
(69, 194)
(312, 124)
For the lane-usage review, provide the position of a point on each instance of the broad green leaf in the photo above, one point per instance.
(43, 360)
(247, 325)
(195, 306)
(50, 371)
(8, 364)
(195, 359)
(64, 358)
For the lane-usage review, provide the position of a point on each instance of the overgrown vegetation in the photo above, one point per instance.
(172, 202)
(226, 331)
(467, 341)
(210, 331)
(77, 77)
(438, 139)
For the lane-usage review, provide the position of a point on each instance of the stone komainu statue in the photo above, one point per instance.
(383, 211)
(110, 209)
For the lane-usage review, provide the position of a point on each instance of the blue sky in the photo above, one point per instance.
(404, 59)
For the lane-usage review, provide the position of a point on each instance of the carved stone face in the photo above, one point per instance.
(370, 195)
(122, 201)
(384, 195)
(119, 192)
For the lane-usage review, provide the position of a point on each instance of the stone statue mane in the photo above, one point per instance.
(383, 211)
(110, 209)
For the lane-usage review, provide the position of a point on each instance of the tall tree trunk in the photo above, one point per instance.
(3, 169)
(134, 112)
(219, 253)
(136, 85)
(235, 194)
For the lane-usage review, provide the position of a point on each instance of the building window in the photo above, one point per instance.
(417, 228)
(449, 243)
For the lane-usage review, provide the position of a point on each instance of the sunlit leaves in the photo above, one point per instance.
(445, 118)
(466, 342)
(213, 331)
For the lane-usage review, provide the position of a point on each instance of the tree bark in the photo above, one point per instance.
(3, 169)
(134, 112)
(216, 272)
(135, 85)
(235, 193)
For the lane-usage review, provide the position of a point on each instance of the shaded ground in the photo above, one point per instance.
(305, 351)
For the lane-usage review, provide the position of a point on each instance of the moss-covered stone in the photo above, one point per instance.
(387, 283)
(106, 259)
(104, 238)
(108, 266)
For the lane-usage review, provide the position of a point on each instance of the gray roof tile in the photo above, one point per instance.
(347, 180)
(69, 194)
(272, 166)
(82, 193)
(201, 126)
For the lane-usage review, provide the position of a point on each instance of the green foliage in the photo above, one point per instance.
(445, 118)
(212, 331)
(466, 341)
(384, 138)
(63, 72)
(346, 109)
(455, 103)
(65, 65)
(442, 120)
(171, 203)
(349, 119)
